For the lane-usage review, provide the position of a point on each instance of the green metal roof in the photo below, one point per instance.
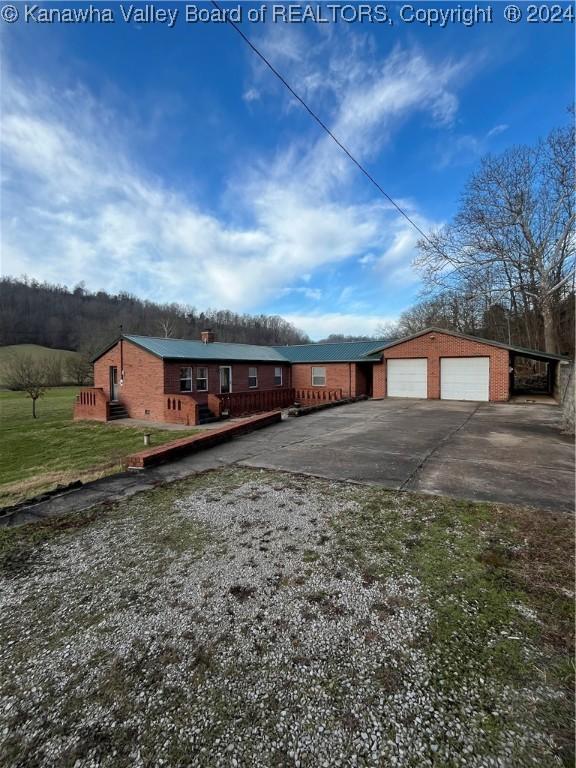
(185, 349)
(333, 352)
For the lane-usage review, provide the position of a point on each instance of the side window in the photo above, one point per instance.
(278, 377)
(252, 377)
(185, 379)
(201, 379)
(318, 377)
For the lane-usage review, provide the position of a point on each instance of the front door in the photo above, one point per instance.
(225, 379)
(113, 383)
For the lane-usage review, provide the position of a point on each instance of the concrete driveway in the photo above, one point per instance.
(496, 452)
(507, 453)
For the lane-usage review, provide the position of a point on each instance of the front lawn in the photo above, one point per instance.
(38, 454)
(258, 619)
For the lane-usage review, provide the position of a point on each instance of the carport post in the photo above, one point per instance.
(551, 375)
(512, 360)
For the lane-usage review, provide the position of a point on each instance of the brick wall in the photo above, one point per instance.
(142, 393)
(349, 377)
(181, 409)
(379, 381)
(91, 404)
(239, 377)
(435, 346)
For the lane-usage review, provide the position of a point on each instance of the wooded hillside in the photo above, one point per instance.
(54, 316)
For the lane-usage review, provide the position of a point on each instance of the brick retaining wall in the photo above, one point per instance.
(205, 439)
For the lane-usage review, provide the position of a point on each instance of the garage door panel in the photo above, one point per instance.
(407, 377)
(465, 378)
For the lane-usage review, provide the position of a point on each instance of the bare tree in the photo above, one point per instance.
(25, 374)
(79, 369)
(167, 327)
(53, 371)
(388, 330)
(513, 238)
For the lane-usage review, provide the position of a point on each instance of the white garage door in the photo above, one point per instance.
(408, 378)
(465, 378)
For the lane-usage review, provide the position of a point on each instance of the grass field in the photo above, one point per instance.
(35, 351)
(39, 454)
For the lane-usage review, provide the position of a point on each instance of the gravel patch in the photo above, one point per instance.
(221, 624)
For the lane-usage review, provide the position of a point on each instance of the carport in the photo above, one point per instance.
(533, 373)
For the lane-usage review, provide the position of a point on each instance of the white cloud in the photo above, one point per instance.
(320, 326)
(77, 207)
(395, 261)
(387, 92)
(251, 94)
(466, 148)
(500, 128)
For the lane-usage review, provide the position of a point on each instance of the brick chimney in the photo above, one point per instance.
(207, 336)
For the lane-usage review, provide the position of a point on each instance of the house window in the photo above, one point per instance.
(185, 379)
(252, 377)
(318, 377)
(278, 377)
(201, 379)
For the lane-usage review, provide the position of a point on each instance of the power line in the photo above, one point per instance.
(320, 122)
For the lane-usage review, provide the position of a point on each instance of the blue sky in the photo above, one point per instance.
(171, 164)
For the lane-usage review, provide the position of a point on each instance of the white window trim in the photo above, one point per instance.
(220, 378)
(186, 378)
(316, 376)
(252, 368)
(281, 376)
(201, 378)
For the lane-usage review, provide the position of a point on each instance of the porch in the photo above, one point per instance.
(184, 410)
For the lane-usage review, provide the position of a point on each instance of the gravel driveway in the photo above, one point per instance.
(252, 618)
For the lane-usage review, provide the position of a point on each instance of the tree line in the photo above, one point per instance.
(55, 316)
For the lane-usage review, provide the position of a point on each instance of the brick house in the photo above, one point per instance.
(190, 382)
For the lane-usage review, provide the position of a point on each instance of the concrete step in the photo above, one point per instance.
(207, 419)
(118, 411)
(205, 415)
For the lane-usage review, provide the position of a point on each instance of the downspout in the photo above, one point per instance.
(349, 379)
(121, 357)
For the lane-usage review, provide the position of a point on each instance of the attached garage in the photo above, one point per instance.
(407, 377)
(465, 378)
(439, 364)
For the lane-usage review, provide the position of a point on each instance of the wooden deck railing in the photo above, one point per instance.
(240, 403)
(318, 394)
